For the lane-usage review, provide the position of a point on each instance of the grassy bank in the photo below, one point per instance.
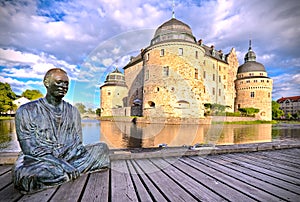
(247, 122)
(5, 118)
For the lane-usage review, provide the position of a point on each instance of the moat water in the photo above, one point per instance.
(129, 135)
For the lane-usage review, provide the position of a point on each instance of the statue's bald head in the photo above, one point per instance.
(49, 74)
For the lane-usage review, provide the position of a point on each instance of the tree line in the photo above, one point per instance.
(7, 96)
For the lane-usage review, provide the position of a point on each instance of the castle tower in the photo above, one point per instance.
(254, 87)
(173, 86)
(113, 95)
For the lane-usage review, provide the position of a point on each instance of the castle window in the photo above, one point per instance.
(147, 56)
(108, 93)
(180, 51)
(214, 77)
(267, 81)
(239, 106)
(224, 77)
(261, 74)
(166, 71)
(196, 54)
(248, 81)
(220, 79)
(204, 62)
(219, 92)
(214, 91)
(162, 52)
(219, 68)
(147, 75)
(255, 81)
(269, 94)
(224, 86)
(262, 80)
(151, 104)
(204, 74)
(196, 73)
(252, 94)
(214, 66)
(157, 89)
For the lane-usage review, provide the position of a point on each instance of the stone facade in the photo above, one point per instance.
(176, 75)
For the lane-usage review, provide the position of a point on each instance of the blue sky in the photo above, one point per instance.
(89, 38)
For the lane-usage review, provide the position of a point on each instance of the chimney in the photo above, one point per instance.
(200, 42)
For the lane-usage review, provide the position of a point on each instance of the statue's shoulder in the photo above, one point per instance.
(29, 106)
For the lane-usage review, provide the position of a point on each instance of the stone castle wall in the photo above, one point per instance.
(255, 92)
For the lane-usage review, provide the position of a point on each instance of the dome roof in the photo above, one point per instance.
(115, 78)
(173, 30)
(250, 64)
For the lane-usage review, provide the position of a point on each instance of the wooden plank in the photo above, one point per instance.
(70, 191)
(153, 191)
(231, 164)
(9, 193)
(208, 180)
(278, 157)
(292, 153)
(264, 168)
(97, 187)
(233, 179)
(140, 187)
(39, 196)
(195, 188)
(171, 190)
(280, 166)
(5, 179)
(4, 169)
(122, 188)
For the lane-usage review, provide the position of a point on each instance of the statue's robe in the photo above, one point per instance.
(59, 132)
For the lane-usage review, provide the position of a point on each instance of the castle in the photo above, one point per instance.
(176, 75)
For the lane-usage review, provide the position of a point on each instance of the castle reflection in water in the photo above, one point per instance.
(128, 135)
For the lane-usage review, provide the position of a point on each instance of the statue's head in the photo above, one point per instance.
(57, 82)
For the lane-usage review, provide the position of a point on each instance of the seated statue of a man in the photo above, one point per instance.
(50, 135)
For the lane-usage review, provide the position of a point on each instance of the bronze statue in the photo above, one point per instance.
(49, 133)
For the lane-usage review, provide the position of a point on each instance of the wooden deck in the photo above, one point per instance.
(256, 176)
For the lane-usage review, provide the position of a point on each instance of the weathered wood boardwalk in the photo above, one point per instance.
(257, 176)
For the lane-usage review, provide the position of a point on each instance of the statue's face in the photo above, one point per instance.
(58, 85)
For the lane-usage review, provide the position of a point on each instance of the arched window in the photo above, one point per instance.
(182, 104)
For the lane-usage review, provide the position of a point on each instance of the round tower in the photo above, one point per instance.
(254, 87)
(113, 94)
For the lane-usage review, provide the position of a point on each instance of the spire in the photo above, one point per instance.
(250, 55)
(250, 48)
(173, 9)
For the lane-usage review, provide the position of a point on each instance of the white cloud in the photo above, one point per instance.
(85, 37)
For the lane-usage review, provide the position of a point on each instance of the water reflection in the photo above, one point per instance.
(8, 138)
(128, 135)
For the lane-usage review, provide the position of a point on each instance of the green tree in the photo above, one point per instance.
(276, 111)
(80, 107)
(288, 116)
(32, 94)
(6, 98)
(98, 111)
